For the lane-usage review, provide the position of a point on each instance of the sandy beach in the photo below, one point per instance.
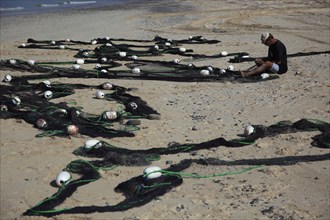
(191, 112)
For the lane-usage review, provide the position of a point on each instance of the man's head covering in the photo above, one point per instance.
(264, 37)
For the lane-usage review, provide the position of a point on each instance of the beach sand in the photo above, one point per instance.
(301, 191)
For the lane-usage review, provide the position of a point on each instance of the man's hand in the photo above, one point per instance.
(259, 61)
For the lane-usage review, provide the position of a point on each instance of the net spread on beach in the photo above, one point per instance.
(24, 99)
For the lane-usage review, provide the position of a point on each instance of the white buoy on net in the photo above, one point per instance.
(210, 68)
(248, 130)
(72, 130)
(3, 108)
(107, 86)
(133, 105)
(61, 47)
(94, 42)
(204, 73)
(167, 44)
(97, 66)
(104, 71)
(76, 66)
(23, 45)
(108, 45)
(231, 68)
(122, 54)
(16, 101)
(136, 70)
(41, 123)
(224, 53)
(100, 94)
(176, 61)
(156, 47)
(47, 83)
(12, 62)
(48, 94)
(134, 57)
(63, 178)
(104, 60)
(222, 71)
(31, 62)
(151, 172)
(264, 75)
(182, 49)
(85, 54)
(7, 78)
(52, 42)
(92, 143)
(110, 115)
(80, 61)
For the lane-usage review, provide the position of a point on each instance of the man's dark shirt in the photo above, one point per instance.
(277, 52)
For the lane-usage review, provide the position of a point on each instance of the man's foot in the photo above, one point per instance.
(243, 73)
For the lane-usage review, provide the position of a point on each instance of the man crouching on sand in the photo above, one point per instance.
(276, 62)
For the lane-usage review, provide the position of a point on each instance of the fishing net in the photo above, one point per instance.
(53, 118)
(242, 58)
(140, 190)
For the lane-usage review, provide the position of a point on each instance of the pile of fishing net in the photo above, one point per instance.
(154, 181)
(31, 103)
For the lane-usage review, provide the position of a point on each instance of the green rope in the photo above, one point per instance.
(166, 172)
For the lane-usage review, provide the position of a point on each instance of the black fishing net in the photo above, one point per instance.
(239, 58)
(140, 190)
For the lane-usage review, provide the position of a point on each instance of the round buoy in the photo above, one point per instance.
(182, 49)
(100, 94)
(122, 54)
(104, 60)
(7, 78)
(264, 75)
(224, 53)
(31, 62)
(156, 47)
(134, 57)
(104, 71)
(97, 66)
(167, 44)
(108, 45)
(23, 45)
(61, 47)
(12, 62)
(110, 115)
(231, 68)
(136, 70)
(222, 71)
(210, 68)
(133, 105)
(204, 72)
(248, 130)
(85, 54)
(76, 66)
(80, 61)
(176, 61)
(150, 172)
(72, 130)
(63, 178)
(94, 42)
(92, 143)
(107, 86)
(16, 100)
(48, 94)
(3, 108)
(41, 123)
